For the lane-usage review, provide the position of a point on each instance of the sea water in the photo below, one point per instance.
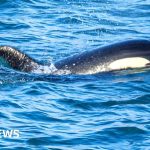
(106, 111)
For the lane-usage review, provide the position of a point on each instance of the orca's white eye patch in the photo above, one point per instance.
(132, 62)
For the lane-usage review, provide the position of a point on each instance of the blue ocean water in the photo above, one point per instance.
(70, 112)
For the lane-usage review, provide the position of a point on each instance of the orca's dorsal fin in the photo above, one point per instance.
(17, 59)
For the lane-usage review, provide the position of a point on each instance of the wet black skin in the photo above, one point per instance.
(89, 60)
(83, 62)
(17, 59)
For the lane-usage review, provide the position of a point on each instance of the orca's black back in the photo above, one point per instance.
(88, 59)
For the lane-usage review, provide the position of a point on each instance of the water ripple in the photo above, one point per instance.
(73, 112)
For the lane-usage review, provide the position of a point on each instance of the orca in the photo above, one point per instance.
(116, 56)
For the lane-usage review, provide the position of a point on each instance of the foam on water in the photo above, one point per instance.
(43, 69)
(51, 69)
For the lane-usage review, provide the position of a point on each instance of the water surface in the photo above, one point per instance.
(103, 111)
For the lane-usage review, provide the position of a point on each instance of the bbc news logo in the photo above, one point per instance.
(9, 133)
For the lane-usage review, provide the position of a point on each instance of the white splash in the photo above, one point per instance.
(45, 69)
(51, 69)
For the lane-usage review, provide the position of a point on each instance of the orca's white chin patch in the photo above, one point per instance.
(133, 62)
